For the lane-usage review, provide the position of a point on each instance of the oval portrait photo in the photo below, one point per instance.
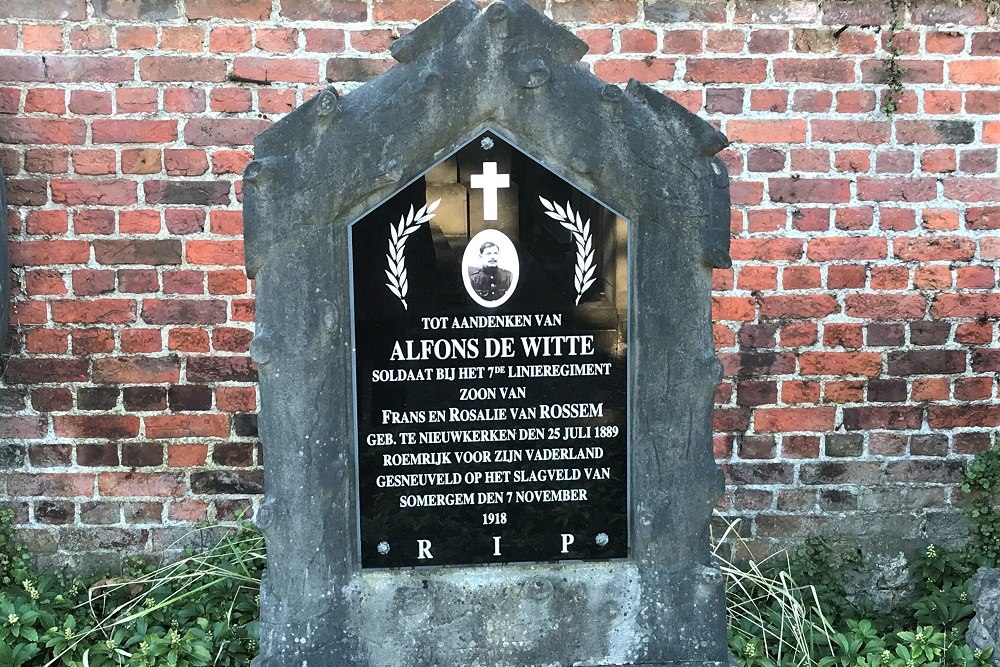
(490, 268)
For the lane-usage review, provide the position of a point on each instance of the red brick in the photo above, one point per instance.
(46, 222)
(801, 277)
(934, 248)
(94, 221)
(27, 313)
(43, 253)
(230, 161)
(887, 278)
(139, 222)
(855, 131)
(182, 221)
(141, 341)
(122, 131)
(104, 311)
(90, 102)
(223, 131)
(976, 415)
(74, 69)
(136, 251)
(798, 307)
(647, 70)
(202, 193)
(846, 247)
(326, 40)
(633, 40)
(772, 420)
(732, 308)
(767, 249)
(135, 37)
(187, 426)
(245, 10)
(840, 363)
(972, 189)
(136, 100)
(966, 305)
(231, 340)
(588, 11)
(982, 218)
(92, 341)
(158, 484)
(891, 418)
(982, 101)
(186, 455)
(183, 311)
(229, 39)
(932, 277)
(47, 37)
(141, 161)
(885, 307)
(939, 220)
(227, 282)
(46, 341)
(188, 38)
(230, 100)
(825, 70)
(986, 72)
(350, 11)
(89, 282)
(275, 101)
(184, 100)
(222, 253)
(43, 131)
(182, 68)
(38, 283)
(42, 484)
(682, 41)
(897, 189)
(91, 192)
(137, 281)
(726, 70)
(94, 162)
(279, 40)
(767, 131)
(113, 427)
(136, 370)
(93, 38)
(45, 100)
(188, 340)
(267, 70)
(809, 190)
(22, 68)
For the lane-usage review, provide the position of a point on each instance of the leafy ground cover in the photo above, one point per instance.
(791, 610)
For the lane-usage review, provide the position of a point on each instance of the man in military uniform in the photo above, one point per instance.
(490, 281)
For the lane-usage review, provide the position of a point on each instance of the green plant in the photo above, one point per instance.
(201, 610)
(773, 621)
(890, 63)
(982, 483)
(13, 554)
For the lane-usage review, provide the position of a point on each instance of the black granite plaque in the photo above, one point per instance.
(490, 315)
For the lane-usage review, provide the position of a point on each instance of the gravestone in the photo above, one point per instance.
(486, 363)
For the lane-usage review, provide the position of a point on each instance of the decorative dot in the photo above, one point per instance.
(601, 539)
(486, 143)
(383, 547)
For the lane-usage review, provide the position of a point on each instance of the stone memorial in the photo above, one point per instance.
(486, 363)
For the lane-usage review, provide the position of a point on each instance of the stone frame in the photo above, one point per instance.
(511, 70)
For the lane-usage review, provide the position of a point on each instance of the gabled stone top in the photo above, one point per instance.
(508, 69)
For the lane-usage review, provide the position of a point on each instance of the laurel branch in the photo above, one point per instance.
(584, 273)
(409, 223)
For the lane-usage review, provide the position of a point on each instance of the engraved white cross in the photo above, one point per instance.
(489, 182)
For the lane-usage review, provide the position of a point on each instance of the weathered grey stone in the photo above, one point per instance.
(509, 70)
(984, 630)
(4, 268)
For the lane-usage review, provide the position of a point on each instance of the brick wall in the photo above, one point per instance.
(858, 326)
